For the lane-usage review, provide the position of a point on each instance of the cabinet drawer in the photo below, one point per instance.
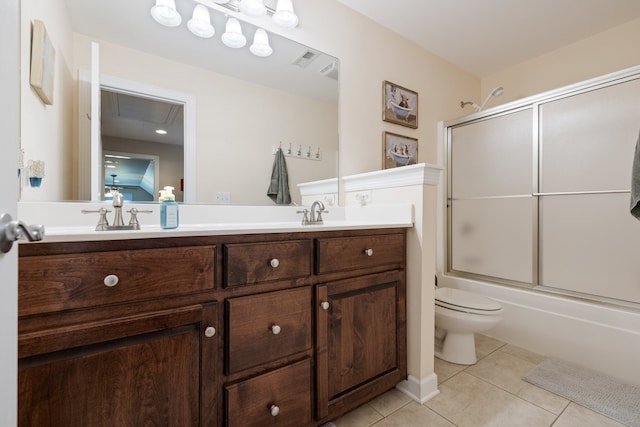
(266, 327)
(281, 398)
(70, 281)
(351, 253)
(249, 263)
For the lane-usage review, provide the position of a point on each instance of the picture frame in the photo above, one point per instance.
(399, 105)
(398, 150)
(42, 62)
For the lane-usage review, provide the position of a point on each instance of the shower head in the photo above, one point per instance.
(495, 92)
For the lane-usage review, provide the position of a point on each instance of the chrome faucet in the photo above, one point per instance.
(118, 222)
(315, 215)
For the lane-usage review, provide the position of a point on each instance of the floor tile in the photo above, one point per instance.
(486, 345)
(364, 416)
(522, 353)
(390, 402)
(414, 415)
(578, 416)
(506, 371)
(445, 370)
(468, 401)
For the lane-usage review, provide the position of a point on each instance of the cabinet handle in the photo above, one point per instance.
(368, 252)
(276, 329)
(210, 331)
(324, 305)
(275, 410)
(111, 280)
(274, 263)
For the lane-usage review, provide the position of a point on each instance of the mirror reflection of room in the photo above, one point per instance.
(142, 146)
(243, 105)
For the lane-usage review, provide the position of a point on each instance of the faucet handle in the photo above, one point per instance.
(305, 216)
(320, 212)
(103, 223)
(133, 221)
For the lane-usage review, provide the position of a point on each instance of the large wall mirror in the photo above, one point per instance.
(243, 107)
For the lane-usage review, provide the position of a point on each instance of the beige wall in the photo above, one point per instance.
(606, 52)
(46, 130)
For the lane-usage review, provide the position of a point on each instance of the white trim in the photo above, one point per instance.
(420, 390)
(420, 174)
(313, 188)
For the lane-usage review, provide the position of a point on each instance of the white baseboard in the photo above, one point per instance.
(420, 390)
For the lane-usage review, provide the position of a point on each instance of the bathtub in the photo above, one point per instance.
(598, 336)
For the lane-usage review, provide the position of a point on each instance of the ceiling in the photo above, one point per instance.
(485, 36)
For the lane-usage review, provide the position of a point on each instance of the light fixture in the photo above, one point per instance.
(284, 15)
(260, 46)
(161, 131)
(495, 92)
(165, 13)
(233, 36)
(255, 8)
(200, 23)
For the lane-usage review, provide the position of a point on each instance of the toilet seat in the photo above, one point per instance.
(466, 302)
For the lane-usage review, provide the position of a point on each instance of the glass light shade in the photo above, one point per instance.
(260, 46)
(253, 7)
(284, 15)
(200, 23)
(165, 13)
(233, 36)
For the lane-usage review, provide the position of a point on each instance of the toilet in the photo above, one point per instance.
(459, 315)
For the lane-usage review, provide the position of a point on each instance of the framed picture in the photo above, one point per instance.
(398, 150)
(42, 63)
(399, 105)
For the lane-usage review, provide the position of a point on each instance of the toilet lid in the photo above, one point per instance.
(457, 299)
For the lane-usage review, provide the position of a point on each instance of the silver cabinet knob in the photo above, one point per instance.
(275, 329)
(275, 410)
(274, 263)
(210, 331)
(368, 252)
(111, 280)
(324, 305)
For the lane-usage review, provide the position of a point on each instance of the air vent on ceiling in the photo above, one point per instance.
(306, 58)
(330, 70)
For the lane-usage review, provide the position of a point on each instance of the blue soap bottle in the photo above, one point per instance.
(169, 216)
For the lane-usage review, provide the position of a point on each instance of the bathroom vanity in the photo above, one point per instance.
(261, 329)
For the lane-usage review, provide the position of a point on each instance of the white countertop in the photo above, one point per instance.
(64, 221)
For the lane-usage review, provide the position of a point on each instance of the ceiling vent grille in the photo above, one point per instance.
(306, 58)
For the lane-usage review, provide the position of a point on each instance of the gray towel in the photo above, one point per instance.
(279, 187)
(635, 182)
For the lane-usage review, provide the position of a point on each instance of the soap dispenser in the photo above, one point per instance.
(169, 217)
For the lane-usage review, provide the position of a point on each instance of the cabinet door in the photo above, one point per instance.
(155, 369)
(361, 348)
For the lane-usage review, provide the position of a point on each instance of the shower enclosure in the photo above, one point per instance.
(538, 192)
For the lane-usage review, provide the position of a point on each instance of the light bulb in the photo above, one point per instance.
(260, 46)
(200, 23)
(165, 13)
(284, 15)
(233, 36)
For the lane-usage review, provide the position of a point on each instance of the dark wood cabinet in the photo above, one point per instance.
(289, 329)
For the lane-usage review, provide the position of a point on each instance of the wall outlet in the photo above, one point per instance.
(363, 197)
(222, 198)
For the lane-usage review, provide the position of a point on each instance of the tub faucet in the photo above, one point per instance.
(315, 215)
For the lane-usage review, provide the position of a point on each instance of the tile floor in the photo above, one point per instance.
(489, 393)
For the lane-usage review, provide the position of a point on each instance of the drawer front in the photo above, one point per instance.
(266, 327)
(281, 398)
(70, 281)
(246, 264)
(350, 253)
